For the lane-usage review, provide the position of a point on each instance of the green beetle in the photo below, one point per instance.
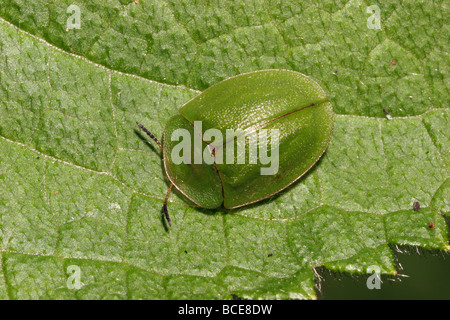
(288, 106)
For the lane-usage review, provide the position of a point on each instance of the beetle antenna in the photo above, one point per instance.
(166, 212)
(149, 134)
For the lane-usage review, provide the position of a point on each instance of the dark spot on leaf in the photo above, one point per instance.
(270, 254)
(236, 297)
(416, 206)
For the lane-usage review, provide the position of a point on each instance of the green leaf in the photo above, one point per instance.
(82, 188)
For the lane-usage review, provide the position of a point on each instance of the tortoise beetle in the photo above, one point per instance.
(216, 149)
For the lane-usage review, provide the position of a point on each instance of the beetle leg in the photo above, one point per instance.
(149, 134)
(166, 212)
